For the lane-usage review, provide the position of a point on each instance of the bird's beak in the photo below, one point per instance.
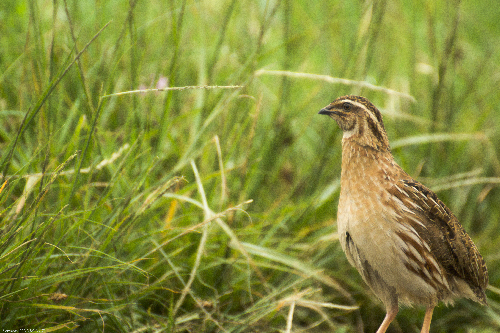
(326, 110)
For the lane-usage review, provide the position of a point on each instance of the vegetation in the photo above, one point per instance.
(213, 209)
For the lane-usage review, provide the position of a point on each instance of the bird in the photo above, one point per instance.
(406, 243)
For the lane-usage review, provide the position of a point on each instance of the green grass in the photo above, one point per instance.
(213, 210)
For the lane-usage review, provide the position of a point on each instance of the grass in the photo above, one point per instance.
(213, 209)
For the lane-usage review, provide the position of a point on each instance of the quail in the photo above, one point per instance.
(406, 244)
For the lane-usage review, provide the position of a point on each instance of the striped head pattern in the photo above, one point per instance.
(360, 121)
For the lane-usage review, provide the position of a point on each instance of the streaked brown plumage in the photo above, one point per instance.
(406, 244)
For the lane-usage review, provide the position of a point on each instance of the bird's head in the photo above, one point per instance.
(360, 121)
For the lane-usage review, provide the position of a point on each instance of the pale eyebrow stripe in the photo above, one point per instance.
(372, 116)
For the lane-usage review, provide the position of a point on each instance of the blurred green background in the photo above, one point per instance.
(213, 210)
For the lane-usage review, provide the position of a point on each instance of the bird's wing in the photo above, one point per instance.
(451, 246)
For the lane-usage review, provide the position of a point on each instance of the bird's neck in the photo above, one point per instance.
(359, 160)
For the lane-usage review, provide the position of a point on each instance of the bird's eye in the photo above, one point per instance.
(347, 106)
